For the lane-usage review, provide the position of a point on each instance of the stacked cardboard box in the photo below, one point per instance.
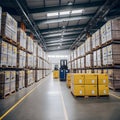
(38, 75)
(103, 85)
(98, 38)
(4, 83)
(20, 80)
(103, 34)
(89, 60)
(113, 30)
(21, 59)
(94, 58)
(93, 41)
(21, 38)
(104, 56)
(14, 56)
(3, 52)
(82, 62)
(114, 78)
(29, 44)
(68, 81)
(9, 27)
(82, 49)
(88, 45)
(29, 77)
(99, 58)
(56, 74)
(89, 84)
(12, 81)
(79, 63)
(77, 84)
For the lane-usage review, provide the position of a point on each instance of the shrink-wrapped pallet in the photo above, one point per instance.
(93, 41)
(89, 60)
(99, 58)
(21, 38)
(88, 45)
(104, 56)
(9, 27)
(82, 62)
(98, 38)
(95, 58)
(103, 34)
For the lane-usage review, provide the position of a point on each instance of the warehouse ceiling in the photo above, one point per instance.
(62, 24)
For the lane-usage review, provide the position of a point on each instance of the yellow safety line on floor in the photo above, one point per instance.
(118, 97)
(15, 105)
(63, 103)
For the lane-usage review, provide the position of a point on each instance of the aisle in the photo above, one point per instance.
(42, 104)
(52, 100)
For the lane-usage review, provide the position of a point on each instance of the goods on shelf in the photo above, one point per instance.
(12, 81)
(38, 75)
(98, 38)
(103, 34)
(83, 62)
(29, 77)
(88, 45)
(29, 62)
(93, 40)
(29, 44)
(114, 78)
(99, 58)
(82, 49)
(95, 58)
(20, 80)
(79, 63)
(21, 38)
(4, 83)
(104, 56)
(9, 27)
(89, 60)
(14, 56)
(21, 59)
(3, 52)
(113, 30)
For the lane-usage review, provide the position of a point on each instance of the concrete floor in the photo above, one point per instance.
(52, 100)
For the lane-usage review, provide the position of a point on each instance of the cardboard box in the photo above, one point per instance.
(90, 79)
(103, 90)
(88, 45)
(78, 79)
(103, 34)
(78, 90)
(9, 26)
(91, 90)
(94, 40)
(102, 79)
(3, 47)
(98, 38)
(21, 38)
(89, 60)
(95, 58)
(99, 58)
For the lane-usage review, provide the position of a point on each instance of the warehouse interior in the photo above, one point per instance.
(59, 59)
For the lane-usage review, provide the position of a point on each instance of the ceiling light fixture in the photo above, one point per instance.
(52, 14)
(77, 11)
(70, 3)
(64, 12)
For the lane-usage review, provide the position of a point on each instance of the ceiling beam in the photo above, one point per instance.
(66, 28)
(66, 7)
(59, 37)
(64, 40)
(60, 34)
(64, 19)
(58, 44)
(67, 34)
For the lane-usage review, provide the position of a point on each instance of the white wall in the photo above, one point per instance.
(56, 56)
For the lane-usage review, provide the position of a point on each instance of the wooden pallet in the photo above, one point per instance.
(10, 40)
(5, 96)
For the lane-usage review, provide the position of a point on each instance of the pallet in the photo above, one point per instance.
(12, 91)
(90, 52)
(22, 48)
(5, 96)
(10, 40)
(114, 89)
